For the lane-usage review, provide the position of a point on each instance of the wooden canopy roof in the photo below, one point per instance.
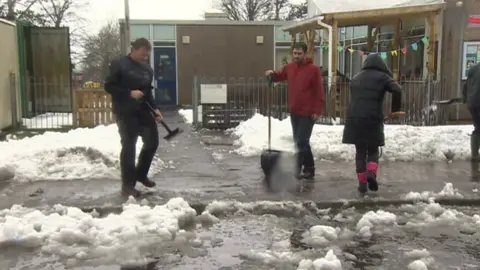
(365, 17)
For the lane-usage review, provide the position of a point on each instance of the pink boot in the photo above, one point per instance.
(362, 182)
(372, 170)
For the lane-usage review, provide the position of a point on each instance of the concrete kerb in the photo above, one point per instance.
(310, 206)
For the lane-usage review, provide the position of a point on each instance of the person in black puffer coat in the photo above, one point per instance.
(364, 122)
(129, 83)
(471, 96)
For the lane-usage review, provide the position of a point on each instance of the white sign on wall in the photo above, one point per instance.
(213, 93)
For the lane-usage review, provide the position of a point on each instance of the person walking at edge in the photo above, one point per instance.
(471, 96)
(365, 119)
(129, 84)
(306, 100)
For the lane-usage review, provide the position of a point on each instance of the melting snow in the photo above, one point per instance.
(78, 154)
(73, 234)
(403, 142)
(329, 262)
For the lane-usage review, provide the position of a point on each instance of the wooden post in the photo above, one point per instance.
(311, 36)
(396, 46)
(294, 39)
(333, 94)
(75, 108)
(431, 43)
(369, 38)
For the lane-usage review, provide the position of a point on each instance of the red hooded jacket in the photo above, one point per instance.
(306, 95)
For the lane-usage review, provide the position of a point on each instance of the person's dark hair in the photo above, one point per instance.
(300, 45)
(141, 43)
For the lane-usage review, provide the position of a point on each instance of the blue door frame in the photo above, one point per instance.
(165, 71)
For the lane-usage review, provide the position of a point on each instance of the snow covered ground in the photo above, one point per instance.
(78, 154)
(48, 120)
(402, 142)
(86, 238)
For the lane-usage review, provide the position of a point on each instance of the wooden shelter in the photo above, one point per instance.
(372, 18)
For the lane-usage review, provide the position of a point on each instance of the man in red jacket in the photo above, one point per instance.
(306, 100)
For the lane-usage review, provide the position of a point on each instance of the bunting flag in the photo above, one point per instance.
(384, 55)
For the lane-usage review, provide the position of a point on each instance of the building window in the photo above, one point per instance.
(283, 36)
(164, 32)
(139, 31)
(471, 56)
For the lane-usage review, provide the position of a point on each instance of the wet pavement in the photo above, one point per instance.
(200, 167)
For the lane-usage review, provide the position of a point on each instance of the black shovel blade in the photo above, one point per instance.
(172, 134)
(269, 161)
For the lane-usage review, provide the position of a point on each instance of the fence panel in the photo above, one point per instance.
(93, 107)
(246, 96)
(47, 107)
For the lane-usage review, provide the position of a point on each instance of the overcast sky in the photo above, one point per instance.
(100, 11)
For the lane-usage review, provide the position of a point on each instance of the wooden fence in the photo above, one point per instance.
(92, 107)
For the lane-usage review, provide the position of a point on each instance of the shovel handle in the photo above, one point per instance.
(161, 122)
(166, 127)
(269, 108)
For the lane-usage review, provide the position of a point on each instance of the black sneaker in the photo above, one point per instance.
(372, 181)
(362, 188)
(147, 182)
(130, 191)
(309, 173)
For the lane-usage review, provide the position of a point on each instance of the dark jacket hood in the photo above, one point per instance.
(474, 70)
(374, 61)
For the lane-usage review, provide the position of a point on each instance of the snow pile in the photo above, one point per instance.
(448, 191)
(187, 115)
(402, 142)
(78, 154)
(76, 235)
(322, 236)
(422, 259)
(371, 218)
(329, 262)
(49, 120)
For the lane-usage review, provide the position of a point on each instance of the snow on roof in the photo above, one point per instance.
(334, 6)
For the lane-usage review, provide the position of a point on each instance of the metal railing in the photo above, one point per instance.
(247, 96)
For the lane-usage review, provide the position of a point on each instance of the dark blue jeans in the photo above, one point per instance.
(475, 112)
(302, 131)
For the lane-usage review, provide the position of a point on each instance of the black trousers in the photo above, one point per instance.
(302, 127)
(475, 112)
(130, 127)
(363, 155)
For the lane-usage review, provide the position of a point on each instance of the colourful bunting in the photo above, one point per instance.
(425, 40)
(384, 55)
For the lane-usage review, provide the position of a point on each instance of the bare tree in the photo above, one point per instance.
(278, 9)
(298, 11)
(19, 10)
(258, 10)
(62, 12)
(245, 10)
(98, 50)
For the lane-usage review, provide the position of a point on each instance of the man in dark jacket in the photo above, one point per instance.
(364, 123)
(471, 96)
(129, 83)
(306, 100)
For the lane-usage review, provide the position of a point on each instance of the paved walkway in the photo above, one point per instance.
(202, 172)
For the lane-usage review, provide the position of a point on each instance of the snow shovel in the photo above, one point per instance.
(448, 101)
(171, 133)
(269, 158)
